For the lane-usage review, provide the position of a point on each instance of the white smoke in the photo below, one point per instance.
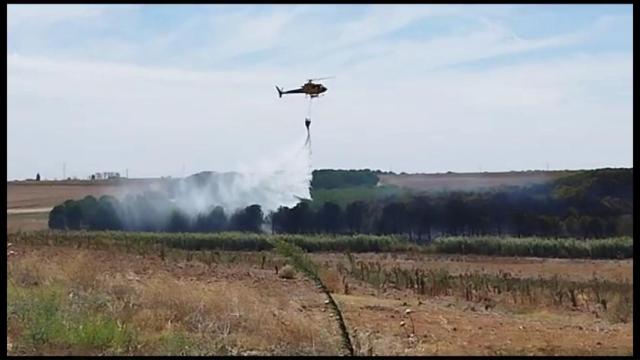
(278, 180)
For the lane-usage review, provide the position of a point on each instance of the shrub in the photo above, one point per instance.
(287, 272)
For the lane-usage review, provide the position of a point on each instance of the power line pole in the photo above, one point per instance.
(64, 170)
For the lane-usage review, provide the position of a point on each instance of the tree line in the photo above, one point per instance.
(139, 214)
(590, 204)
(332, 179)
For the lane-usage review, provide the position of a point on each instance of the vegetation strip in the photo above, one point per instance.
(613, 248)
(614, 298)
(305, 265)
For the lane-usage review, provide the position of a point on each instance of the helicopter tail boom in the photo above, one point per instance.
(296, 91)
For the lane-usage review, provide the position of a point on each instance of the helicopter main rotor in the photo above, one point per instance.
(323, 78)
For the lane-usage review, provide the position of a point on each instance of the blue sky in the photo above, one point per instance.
(418, 88)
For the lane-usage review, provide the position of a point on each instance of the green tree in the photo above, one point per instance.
(73, 215)
(57, 218)
(301, 218)
(215, 220)
(248, 219)
(572, 226)
(178, 222)
(106, 216)
(393, 219)
(330, 218)
(456, 214)
(332, 179)
(88, 207)
(280, 220)
(355, 213)
(421, 216)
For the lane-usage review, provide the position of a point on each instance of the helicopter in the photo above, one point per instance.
(310, 89)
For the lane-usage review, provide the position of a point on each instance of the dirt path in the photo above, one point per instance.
(28, 210)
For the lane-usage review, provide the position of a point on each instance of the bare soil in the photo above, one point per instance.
(41, 194)
(468, 181)
(29, 202)
(27, 222)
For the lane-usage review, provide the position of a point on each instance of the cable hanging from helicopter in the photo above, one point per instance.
(307, 120)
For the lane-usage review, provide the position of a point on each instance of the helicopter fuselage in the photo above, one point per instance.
(313, 89)
(310, 89)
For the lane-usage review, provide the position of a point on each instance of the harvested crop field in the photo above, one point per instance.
(180, 302)
(32, 194)
(469, 181)
(29, 202)
(27, 222)
(570, 269)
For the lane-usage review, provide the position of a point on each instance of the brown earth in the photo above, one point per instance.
(469, 181)
(292, 312)
(27, 222)
(32, 194)
(29, 202)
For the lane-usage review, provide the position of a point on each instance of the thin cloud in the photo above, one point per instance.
(151, 106)
(42, 16)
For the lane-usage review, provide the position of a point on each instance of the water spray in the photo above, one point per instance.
(281, 179)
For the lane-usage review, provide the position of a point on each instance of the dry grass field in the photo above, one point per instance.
(234, 303)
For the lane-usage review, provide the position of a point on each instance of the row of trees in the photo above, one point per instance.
(421, 219)
(592, 204)
(588, 204)
(138, 214)
(332, 179)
